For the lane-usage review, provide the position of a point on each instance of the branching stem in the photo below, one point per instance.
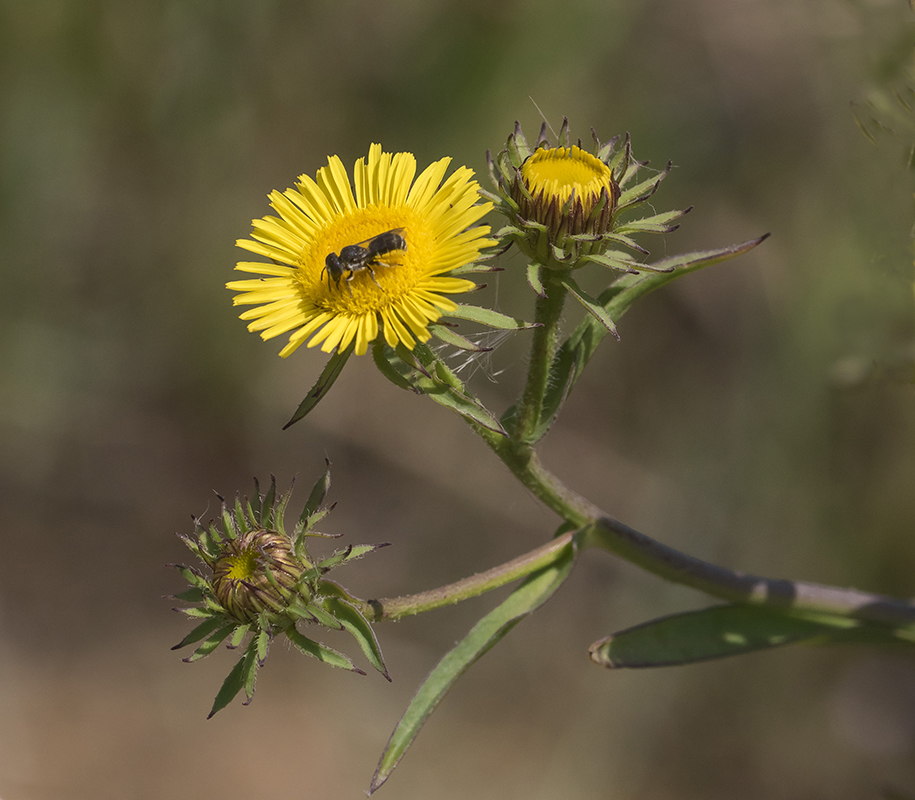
(595, 528)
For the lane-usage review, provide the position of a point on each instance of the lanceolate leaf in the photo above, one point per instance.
(534, 279)
(361, 630)
(572, 357)
(594, 308)
(322, 386)
(492, 319)
(349, 553)
(236, 680)
(320, 652)
(391, 366)
(211, 643)
(318, 493)
(203, 630)
(730, 630)
(535, 590)
(449, 337)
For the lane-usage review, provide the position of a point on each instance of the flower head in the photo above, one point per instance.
(347, 265)
(566, 189)
(564, 205)
(260, 582)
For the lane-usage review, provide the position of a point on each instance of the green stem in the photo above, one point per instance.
(472, 586)
(598, 529)
(547, 312)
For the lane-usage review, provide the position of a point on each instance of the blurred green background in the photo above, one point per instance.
(740, 419)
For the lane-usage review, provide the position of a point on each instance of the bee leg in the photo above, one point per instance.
(372, 274)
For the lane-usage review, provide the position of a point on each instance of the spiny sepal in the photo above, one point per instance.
(260, 582)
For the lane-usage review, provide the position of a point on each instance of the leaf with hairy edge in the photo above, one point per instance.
(326, 379)
(211, 643)
(193, 595)
(203, 630)
(643, 190)
(534, 279)
(318, 493)
(594, 308)
(320, 651)
(717, 632)
(430, 376)
(492, 319)
(449, 337)
(574, 354)
(348, 553)
(391, 367)
(236, 680)
(357, 625)
(469, 409)
(635, 287)
(533, 592)
(475, 268)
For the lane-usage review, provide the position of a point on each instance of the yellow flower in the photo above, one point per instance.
(398, 289)
(560, 187)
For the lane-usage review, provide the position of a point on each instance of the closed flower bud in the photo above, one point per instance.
(257, 572)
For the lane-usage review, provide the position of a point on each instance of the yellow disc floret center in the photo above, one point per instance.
(376, 282)
(243, 566)
(558, 171)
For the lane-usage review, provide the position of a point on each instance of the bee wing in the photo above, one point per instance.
(366, 242)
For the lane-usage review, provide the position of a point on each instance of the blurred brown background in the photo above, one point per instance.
(139, 139)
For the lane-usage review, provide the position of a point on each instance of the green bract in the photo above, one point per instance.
(261, 582)
(565, 206)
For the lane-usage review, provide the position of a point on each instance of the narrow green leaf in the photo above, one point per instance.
(228, 523)
(191, 576)
(205, 628)
(717, 632)
(240, 515)
(635, 287)
(197, 613)
(533, 592)
(263, 643)
(267, 506)
(322, 386)
(443, 387)
(643, 190)
(234, 682)
(250, 670)
(490, 318)
(320, 651)
(279, 511)
(325, 618)
(318, 493)
(357, 625)
(657, 223)
(592, 306)
(535, 279)
(468, 408)
(623, 262)
(348, 553)
(189, 596)
(449, 337)
(239, 635)
(211, 643)
(192, 545)
(301, 612)
(255, 504)
(391, 367)
(576, 351)
(475, 267)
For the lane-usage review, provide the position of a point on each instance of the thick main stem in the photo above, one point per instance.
(547, 313)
